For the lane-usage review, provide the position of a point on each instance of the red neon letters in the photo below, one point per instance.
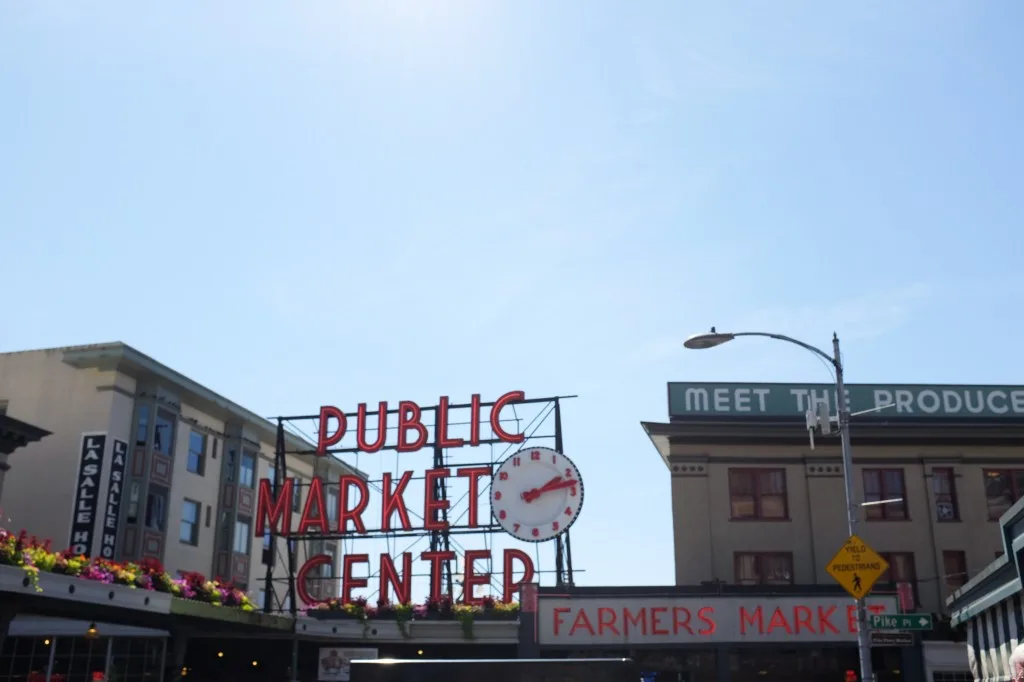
(391, 578)
(412, 432)
(353, 499)
(673, 621)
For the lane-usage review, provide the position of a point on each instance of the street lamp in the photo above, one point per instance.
(714, 338)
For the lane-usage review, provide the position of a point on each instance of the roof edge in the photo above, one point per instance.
(126, 357)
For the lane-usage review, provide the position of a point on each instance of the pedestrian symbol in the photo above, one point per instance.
(857, 567)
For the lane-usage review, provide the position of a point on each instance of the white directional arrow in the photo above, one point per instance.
(923, 622)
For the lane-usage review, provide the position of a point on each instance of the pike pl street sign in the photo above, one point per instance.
(902, 621)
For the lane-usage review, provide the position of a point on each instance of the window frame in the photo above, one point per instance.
(172, 420)
(961, 556)
(1014, 488)
(156, 493)
(890, 559)
(756, 474)
(142, 422)
(331, 495)
(953, 500)
(247, 536)
(194, 538)
(200, 469)
(759, 557)
(885, 509)
(296, 494)
(250, 480)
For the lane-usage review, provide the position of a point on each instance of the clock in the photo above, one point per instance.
(536, 494)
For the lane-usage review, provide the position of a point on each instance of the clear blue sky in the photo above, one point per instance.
(323, 202)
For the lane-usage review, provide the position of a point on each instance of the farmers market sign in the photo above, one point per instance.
(907, 401)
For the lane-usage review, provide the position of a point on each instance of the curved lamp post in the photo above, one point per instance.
(714, 338)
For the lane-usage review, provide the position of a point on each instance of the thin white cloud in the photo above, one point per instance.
(859, 318)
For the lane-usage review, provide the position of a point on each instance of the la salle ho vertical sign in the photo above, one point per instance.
(87, 488)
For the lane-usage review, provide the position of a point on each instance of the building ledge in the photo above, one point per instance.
(15, 434)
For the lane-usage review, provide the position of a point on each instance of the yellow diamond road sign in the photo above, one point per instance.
(857, 567)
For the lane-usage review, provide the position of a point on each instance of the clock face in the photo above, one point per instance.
(536, 494)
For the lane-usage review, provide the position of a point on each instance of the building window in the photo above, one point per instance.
(156, 508)
(296, 494)
(242, 543)
(268, 543)
(944, 487)
(262, 600)
(332, 504)
(163, 434)
(885, 485)
(954, 564)
(248, 473)
(196, 452)
(901, 570)
(224, 538)
(1003, 487)
(328, 569)
(189, 532)
(142, 426)
(231, 463)
(133, 502)
(758, 494)
(763, 568)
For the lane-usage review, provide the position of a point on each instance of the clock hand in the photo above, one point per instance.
(548, 487)
(531, 495)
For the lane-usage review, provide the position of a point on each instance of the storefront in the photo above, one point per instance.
(60, 650)
(716, 633)
(990, 604)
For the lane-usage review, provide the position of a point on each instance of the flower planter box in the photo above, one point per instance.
(14, 579)
(198, 609)
(498, 631)
(492, 616)
(350, 629)
(332, 615)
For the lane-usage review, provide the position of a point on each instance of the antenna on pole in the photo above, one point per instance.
(820, 419)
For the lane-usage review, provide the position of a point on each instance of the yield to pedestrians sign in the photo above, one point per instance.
(857, 567)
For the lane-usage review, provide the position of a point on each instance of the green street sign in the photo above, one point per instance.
(901, 621)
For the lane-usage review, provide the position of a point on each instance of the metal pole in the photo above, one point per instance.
(863, 639)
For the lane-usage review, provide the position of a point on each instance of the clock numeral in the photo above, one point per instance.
(568, 473)
(554, 459)
(515, 528)
(497, 494)
(554, 525)
(535, 455)
(502, 514)
(572, 491)
(535, 532)
(516, 461)
(503, 476)
(568, 511)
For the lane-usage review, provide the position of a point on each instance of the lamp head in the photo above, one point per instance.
(707, 340)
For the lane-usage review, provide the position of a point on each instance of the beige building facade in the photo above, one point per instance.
(753, 503)
(145, 463)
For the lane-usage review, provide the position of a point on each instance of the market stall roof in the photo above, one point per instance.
(1001, 579)
(989, 606)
